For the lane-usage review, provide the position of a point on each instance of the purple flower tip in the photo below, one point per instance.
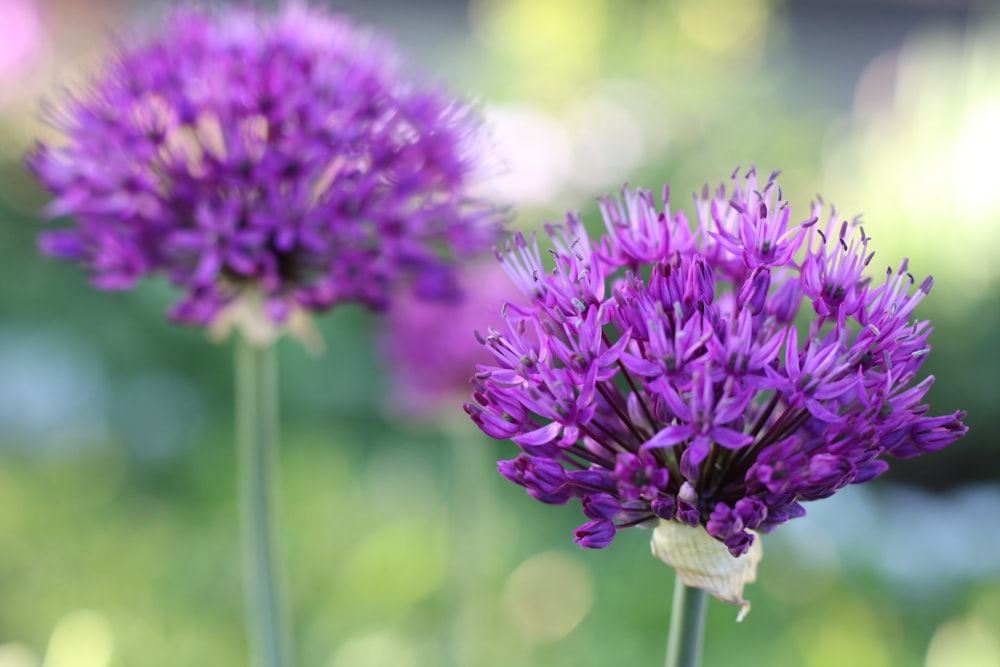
(601, 506)
(660, 366)
(286, 155)
(595, 534)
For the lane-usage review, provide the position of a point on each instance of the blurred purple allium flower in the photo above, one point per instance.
(429, 346)
(283, 157)
(658, 373)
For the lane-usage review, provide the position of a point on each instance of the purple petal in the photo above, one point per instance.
(540, 436)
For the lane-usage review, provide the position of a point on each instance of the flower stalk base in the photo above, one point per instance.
(257, 435)
(687, 626)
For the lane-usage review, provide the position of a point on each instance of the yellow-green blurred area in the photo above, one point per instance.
(118, 523)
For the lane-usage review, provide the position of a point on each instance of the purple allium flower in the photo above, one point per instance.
(661, 366)
(429, 346)
(285, 158)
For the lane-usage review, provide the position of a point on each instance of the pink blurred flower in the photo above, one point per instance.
(431, 348)
(21, 36)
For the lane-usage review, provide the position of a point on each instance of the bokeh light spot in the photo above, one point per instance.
(968, 642)
(81, 639)
(375, 650)
(720, 25)
(549, 41)
(21, 34)
(14, 654)
(534, 149)
(846, 632)
(974, 159)
(548, 595)
(396, 566)
(607, 140)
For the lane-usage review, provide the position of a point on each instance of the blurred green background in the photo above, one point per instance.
(118, 542)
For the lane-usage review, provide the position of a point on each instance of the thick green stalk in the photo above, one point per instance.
(687, 626)
(257, 435)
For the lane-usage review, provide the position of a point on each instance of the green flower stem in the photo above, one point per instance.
(471, 552)
(687, 626)
(257, 435)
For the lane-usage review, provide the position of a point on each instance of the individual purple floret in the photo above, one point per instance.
(284, 156)
(661, 368)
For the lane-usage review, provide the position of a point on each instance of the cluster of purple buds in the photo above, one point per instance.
(666, 371)
(286, 156)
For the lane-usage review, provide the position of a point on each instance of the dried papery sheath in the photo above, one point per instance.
(714, 375)
(247, 314)
(286, 160)
(703, 562)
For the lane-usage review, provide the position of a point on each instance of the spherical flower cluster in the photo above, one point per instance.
(285, 157)
(429, 347)
(660, 373)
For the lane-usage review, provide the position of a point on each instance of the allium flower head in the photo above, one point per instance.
(429, 346)
(285, 157)
(660, 372)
